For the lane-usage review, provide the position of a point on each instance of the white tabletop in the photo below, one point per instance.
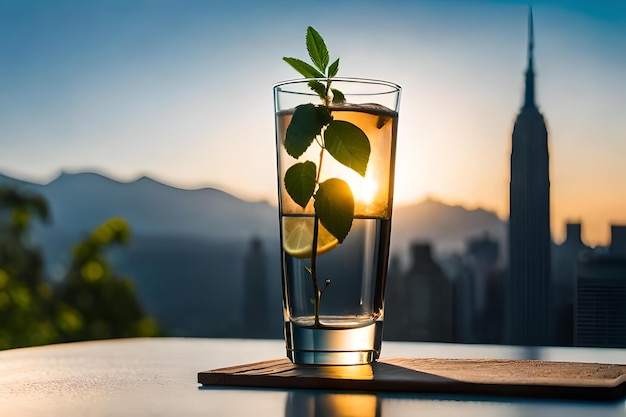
(158, 377)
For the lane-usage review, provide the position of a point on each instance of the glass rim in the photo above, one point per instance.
(393, 87)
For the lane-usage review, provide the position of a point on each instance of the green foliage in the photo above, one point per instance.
(338, 96)
(21, 207)
(318, 87)
(307, 122)
(344, 141)
(24, 314)
(334, 205)
(317, 49)
(92, 302)
(300, 182)
(95, 302)
(348, 145)
(318, 52)
(26, 299)
(333, 69)
(303, 68)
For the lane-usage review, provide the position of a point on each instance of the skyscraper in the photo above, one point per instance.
(420, 302)
(600, 295)
(529, 221)
(564, 260)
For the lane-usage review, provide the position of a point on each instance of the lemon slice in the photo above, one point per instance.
(298, 237)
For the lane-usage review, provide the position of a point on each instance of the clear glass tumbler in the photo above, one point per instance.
(334, 287)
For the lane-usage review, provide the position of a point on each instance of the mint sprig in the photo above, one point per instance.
(344, 141)
(318, 52)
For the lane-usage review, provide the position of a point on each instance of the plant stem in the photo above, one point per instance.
(326, 103)
(316, 290)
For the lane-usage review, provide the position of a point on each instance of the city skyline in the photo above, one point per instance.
(132, 88)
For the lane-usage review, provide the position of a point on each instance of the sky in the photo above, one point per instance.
(181, 91)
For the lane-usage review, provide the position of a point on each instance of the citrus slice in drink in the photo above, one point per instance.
(298, 237)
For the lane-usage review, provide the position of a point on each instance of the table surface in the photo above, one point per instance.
(154, 377)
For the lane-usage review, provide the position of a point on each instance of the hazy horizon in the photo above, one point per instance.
(178, 91)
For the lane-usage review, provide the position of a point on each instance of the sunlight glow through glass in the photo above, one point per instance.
(366, 191)
(371, 196)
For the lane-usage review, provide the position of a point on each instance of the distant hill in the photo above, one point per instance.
(188, 246)
(446, 227)
(80, 201)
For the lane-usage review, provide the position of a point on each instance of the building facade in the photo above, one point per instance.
(528, 289)
(600, 307)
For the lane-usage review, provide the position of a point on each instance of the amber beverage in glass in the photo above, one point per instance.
(343, 325)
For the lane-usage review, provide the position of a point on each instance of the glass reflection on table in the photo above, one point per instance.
(326, 404)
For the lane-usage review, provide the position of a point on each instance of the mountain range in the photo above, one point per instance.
(80, 202)
(188, 245)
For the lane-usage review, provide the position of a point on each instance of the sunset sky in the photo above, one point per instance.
(182, 91)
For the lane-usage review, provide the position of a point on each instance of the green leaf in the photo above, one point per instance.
(334, 206)
(338, 96)
(348, 144)
(319, 88)
(300, 182)
(303, 68)
(333, 69)
(317, 49)
(306, 123)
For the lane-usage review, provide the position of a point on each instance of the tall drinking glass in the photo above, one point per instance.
(333, 299)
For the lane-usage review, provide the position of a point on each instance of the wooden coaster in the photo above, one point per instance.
(525, 378)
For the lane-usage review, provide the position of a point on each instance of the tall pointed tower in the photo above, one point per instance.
(529, 221)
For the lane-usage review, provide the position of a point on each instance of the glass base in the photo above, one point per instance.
(333, 345)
